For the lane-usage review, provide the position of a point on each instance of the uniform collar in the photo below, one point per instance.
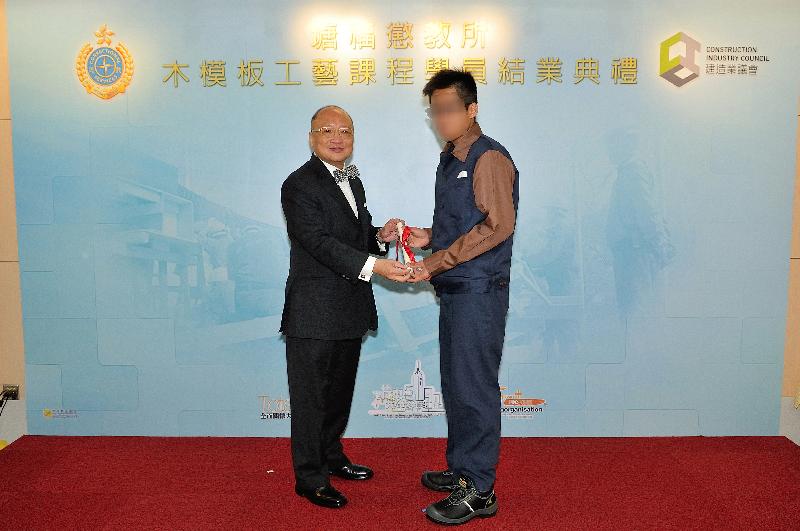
(460, 146)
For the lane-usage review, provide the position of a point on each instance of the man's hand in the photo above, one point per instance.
(389, 231)
(392, 269)
(419, 272)
(419, 237)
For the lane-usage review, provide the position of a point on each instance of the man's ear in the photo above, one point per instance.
(472, 110)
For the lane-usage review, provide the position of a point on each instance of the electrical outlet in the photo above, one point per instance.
(14, 394)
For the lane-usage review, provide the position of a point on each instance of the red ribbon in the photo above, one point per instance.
(403, 241)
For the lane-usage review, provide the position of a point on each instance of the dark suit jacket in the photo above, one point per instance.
(325, 299)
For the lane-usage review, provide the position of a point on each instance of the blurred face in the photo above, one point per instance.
(329, 138)
(450, 117)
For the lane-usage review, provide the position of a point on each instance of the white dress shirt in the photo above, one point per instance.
(369, 265)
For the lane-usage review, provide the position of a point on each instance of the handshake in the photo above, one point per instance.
(394, 269)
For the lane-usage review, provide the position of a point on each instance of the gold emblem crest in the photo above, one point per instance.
(104, 71)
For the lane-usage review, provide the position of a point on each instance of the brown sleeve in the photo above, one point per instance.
(493, 186)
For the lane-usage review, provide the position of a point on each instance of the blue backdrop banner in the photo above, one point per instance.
(656, 149)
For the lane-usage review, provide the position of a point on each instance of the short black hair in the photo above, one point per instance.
(461, 80)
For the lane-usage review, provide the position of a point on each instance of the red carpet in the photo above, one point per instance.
(543, 483)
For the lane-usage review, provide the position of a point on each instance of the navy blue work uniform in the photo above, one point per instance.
(473, 298)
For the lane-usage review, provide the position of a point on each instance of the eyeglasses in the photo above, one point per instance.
(433, 112)
(329, 132)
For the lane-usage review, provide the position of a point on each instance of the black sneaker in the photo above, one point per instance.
(463, 504)
(441, 481)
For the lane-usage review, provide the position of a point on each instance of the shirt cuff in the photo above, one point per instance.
(381, 244)
(366, 271)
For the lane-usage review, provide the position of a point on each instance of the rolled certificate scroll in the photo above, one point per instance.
(404, 252)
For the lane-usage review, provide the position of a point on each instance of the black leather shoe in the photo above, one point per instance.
(440, 481)
(323, 496)
(463, 504)
(352, 471)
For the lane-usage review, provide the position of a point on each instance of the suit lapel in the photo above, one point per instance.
(330, 186)
(361, 204)
(358, 192)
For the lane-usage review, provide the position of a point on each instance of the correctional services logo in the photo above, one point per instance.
(104, 71)
(679, 68)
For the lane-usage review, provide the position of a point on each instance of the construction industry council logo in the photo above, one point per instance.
(680, 59)
(679, 68)
(104, 71)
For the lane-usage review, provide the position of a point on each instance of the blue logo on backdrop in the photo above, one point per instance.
(104, 66)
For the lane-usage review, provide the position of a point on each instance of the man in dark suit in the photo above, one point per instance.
(329, 304)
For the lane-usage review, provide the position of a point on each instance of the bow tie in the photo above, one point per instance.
(350, 172)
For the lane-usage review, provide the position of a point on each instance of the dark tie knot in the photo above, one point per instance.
(350, 172)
